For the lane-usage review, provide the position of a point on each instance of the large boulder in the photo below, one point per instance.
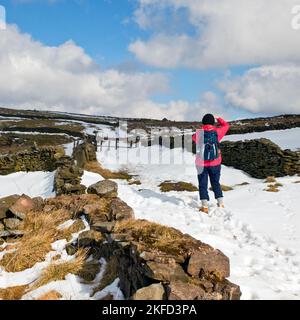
(104, 189)
(212, 262)
(153, 292)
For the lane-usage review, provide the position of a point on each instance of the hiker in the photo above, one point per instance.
(209, 158)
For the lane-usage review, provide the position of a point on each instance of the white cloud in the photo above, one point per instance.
(65, 78)
(226, 32)
(270, 89)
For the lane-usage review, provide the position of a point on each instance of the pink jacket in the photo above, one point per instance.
(221, 133)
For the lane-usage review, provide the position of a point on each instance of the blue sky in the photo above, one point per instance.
(106, 28)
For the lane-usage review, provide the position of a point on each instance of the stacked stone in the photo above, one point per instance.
(260, 158)
(83, 153)
(147, 271)
(36, 160)
(68, 177)
(13, 210)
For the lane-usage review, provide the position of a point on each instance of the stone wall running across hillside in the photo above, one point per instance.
(43, 159)
(260, 158)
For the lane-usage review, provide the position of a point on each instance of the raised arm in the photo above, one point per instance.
(224, 128)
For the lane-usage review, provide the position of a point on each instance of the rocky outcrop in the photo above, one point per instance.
(260, 158)
(43, 159)
(152, 261)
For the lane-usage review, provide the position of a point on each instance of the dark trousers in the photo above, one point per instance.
(214, 174)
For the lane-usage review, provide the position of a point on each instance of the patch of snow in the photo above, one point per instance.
(33, 184)
(90, 178)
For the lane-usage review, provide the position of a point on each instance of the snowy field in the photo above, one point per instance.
(258, 230)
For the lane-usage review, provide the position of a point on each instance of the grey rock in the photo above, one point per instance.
(104, 189)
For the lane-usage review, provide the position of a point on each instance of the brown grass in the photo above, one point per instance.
(30, 250)
(270, 179)
(13, 293)
(77, 226)
(109, 275)
(58, 271)
(224, 188)
(272, 188)
(135, 182)
(51, 295)
(40, 230)
(94, 166)
(168, 186)
(277, 184)
(155, 236)
(242, 184)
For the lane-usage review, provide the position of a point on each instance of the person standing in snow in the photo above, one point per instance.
(208, 158)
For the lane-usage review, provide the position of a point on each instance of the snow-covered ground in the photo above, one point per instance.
(33, 184)
(286, 139)
(258, 230)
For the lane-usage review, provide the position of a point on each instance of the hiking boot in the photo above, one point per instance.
(204, 210)
(221, 205)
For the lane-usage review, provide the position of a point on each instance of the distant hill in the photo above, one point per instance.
(237, 126)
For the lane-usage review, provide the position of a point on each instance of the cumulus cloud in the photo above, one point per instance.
(65, 78)
(270, 89)
(226, 32)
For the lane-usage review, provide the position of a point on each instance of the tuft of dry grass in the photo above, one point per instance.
(135, 182)
(277, 184)
(109, 275)
(40, 230)
(13, 293)
(29, 251)
(51, 295)
(270, 179)
(224, 188)
(242, 184)
(155, 236)
(58, 271)
(272, 188)
(39, 222)
(94, 166)
(168, 186)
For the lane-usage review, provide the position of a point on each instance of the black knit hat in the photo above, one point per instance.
(208, 119)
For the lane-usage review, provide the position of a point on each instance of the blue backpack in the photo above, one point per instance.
(209, 150)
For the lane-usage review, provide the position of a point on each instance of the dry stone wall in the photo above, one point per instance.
(43, 159)
(260, 158)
